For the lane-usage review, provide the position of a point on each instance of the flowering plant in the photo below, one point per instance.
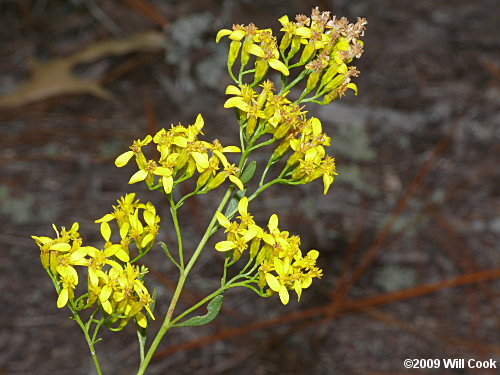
(316, 50)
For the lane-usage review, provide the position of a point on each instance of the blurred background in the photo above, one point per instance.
(408, 234)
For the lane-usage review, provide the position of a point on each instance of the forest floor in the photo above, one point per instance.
(408, 235)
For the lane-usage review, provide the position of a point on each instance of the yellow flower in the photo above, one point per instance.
(100, 258)
(243, 97)
(279, 284)
(67, 292)
(135, 149)
(230, 172)
(239, 234)
(218, 150)
(148, 172)
(50, 249)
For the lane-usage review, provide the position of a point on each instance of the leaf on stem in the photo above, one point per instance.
(213, 310)
(233, 203)
(248, 172)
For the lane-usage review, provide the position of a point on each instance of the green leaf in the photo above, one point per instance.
(248, 172)
(167, 253)
(213, 310)
(232, 206)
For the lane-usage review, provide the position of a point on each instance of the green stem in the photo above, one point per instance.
(90, 341)
(224, 274)
(200, 303)
(173, 211)
(141, 340)
(264, 174)
(230, 71)
(262, 144)
(262, 188)
(167, 324)
(294, 82)
(141, 255)
(167, 253)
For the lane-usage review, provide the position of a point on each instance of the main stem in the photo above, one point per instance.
(182, 279)
(90, 341)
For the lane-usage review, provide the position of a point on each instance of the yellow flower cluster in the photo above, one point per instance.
(252, 41)
(274, 114)
(113, 282)
(328, 46)
(282, 266)
(181, 155)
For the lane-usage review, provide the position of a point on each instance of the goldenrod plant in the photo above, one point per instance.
(312, 63)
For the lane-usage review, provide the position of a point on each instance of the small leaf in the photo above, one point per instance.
(233, 203)
(248, 172)
(213, 310)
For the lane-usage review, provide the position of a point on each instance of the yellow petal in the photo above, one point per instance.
(284, 296)
(273, 222)
(316, 126)
(168, 184)
(162, 171)
(201, 160)
(124, 230)
(199, 122)
(225, 246)
(278, 65)
(149, 217)
(342, 45)
(353, 87)
(278, 266)
(223, 221)
(273, 282)
(60, 247)
(297, 286)
(147, 239)
(105, 231)
(222, 33)
(237, 102)
(141, 320)
(123, 159)
(140, 175)
(111, 250)
(78, 254)
(284, 20)
(254, 49)
(251, 233)
(306, 282)
(122, 255)
(106, 305)
(303, 31)
(327, 181)
(342, 69)
(62, 300)
(232, 90)
(235, 180)
(313, 254)
(105, 293)
(237, 35)
(243, 206)
(231, 149)
(105, 218)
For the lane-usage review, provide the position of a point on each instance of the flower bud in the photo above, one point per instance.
(234, 49)
(307, 53)
(216, 181)
(261, 67)
(285, 43)
(312, 81)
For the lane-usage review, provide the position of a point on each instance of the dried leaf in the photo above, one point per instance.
(54, 78)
